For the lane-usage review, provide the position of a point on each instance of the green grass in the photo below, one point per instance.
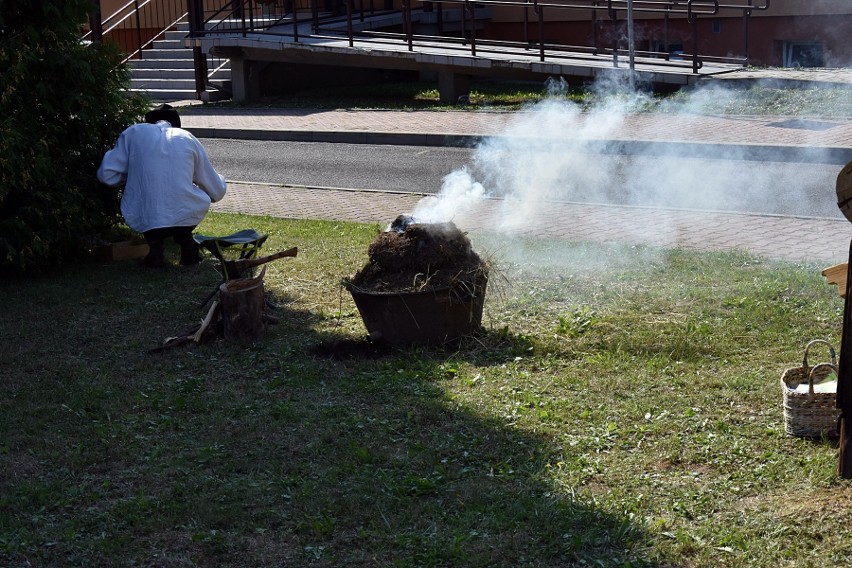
(722, 98)
(622, 408)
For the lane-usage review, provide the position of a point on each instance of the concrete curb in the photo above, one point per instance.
(342, 137)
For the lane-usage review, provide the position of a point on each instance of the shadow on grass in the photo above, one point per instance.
(261, 456)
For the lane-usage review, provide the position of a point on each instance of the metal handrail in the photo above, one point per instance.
(125, 24)
(237, 17)
(128, 19)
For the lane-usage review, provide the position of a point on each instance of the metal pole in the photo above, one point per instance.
(95, 23)
(746, 16)
(844, 388)
(349, 22)
(138, 27)
(631, 45)
(472, 10)
(196, 25)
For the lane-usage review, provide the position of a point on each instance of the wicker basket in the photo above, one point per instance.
(810, 414)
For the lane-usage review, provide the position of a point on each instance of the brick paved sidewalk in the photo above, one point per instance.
(772, 236)
(777, 237)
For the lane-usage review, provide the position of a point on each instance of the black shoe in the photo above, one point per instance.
(153, 261)
(189, 255)
(189, 251)
(156, 257)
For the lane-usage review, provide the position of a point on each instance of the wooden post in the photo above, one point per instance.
(242, 304)
(844, 382)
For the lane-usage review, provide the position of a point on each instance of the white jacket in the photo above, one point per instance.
(169, 180)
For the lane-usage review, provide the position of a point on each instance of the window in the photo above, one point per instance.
(717, 26)
(803, 54)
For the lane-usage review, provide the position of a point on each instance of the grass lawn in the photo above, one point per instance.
(621, 408)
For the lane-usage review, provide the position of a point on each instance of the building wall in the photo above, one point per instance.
(789, 26)
(719, 37)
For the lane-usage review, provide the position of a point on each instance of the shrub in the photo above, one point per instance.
(62, 105)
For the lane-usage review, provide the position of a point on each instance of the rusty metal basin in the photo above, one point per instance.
(431, 317)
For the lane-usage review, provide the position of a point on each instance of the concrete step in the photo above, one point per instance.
(180, 95)
(155, 67)
(176, 43)
(167, 70)
(159, 73)
(153, 63)
(175, 35)
(167, 53)
(166, 95)
(157, 84)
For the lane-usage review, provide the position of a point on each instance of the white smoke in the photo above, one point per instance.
(460, 193)
(542, 155)
(557, 156)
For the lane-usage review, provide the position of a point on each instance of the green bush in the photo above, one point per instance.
(62, 105)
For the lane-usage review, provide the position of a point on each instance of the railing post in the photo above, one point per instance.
(613, 18)
(539, 12)
(406, 5)
(138, 27)
(631, 45)
(595, 29)
(195, 17)
(95, 24)
(195, 11)
(693, 19)
(251, 18)
(349, 22)
(471, 8)
(463, 22)
(315, 15)
(295, 24)
(746, 18)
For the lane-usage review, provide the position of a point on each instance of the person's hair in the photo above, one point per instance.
(163, 112)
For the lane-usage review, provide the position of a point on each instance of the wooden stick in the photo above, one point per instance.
(206, 323)
(237, 267)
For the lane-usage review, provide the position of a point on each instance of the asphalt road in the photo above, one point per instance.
(555, 173)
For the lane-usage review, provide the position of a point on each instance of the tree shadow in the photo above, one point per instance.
(269, 455)
(443, 483)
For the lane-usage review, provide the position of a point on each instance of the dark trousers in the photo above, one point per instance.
(181, 235)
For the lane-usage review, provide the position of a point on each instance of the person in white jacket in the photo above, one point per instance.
(169, 182)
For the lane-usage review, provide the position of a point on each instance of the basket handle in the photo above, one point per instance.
(811, 393)
(808, 348)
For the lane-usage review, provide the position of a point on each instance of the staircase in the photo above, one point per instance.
(167, 71)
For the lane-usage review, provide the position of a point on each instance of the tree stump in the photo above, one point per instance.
(242, 303)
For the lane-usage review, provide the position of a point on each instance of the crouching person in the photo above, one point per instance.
(169, 183)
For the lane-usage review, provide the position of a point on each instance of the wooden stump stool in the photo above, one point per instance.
(242, 303)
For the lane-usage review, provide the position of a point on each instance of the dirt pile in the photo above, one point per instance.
(413, 257)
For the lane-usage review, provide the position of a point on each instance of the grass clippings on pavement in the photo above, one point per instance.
(712, 97)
